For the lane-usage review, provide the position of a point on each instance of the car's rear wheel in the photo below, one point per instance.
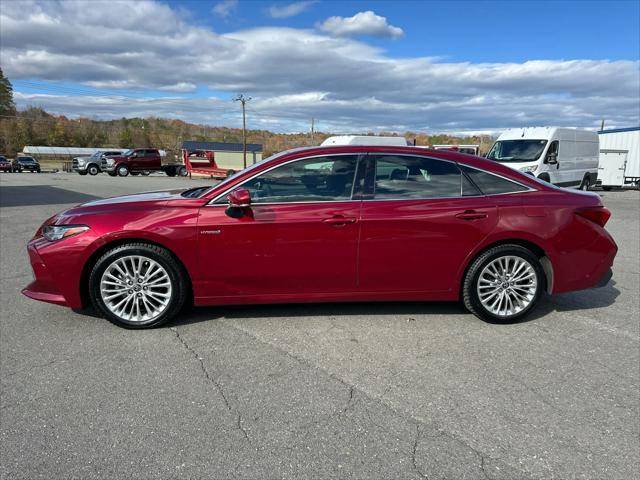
(138, 286)
(123, 171)
(503, 284)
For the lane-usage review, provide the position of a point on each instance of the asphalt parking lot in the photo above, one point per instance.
(389, 390)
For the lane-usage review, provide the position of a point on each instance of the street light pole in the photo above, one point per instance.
(243, 100)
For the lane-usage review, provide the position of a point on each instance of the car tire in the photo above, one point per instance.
(170, 171)
(586, 183)
(93, 170)
(141, 307)
(491, 295)
(122, 170)
(37, 170)
(112, 174)
(182, 171)
(230, 172)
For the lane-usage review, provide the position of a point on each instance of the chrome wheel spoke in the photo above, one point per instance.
(135, 288)
(507, 285)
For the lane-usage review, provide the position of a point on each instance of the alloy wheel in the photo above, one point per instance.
(136, 289)
(507, 286)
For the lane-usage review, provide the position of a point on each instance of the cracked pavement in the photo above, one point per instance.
(315, 391)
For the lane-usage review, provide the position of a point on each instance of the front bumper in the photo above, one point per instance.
(79, 168)
(43, 287)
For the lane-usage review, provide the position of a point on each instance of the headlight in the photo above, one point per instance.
(80, 161)
(529, 169)
(58, 232)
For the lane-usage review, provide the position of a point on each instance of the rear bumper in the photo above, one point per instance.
(606, 278)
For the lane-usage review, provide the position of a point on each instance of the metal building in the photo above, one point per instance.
(619, 157)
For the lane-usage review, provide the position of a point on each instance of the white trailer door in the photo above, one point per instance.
(611, 167)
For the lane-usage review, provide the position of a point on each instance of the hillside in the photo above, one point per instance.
(34, 126)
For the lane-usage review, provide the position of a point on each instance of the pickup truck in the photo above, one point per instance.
(91, 164)
(139, 161)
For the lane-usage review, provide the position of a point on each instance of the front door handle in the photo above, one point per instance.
(339, 220)
(471, 215)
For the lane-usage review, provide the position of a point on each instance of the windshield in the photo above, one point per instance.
(517, 150)
(96, 155)
(127, 153)
(26, 159)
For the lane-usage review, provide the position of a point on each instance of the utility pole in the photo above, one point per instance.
(243, 100)
(313, 120)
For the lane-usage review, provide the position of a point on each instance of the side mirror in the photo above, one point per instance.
(239, 200)
(552, 158)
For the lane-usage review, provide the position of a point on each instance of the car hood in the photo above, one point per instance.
(113, 205)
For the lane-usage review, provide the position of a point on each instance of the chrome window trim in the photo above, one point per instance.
(226, 192)
(212, 202)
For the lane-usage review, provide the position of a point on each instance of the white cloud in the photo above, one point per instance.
(291, 9)
(362, 23)
(225, 8)
(292, 74)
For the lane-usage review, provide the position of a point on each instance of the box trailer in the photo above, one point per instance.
(619, 163)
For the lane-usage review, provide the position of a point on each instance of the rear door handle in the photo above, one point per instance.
(339, 220)
(471, 215)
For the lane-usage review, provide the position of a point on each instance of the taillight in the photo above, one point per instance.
(599, 215)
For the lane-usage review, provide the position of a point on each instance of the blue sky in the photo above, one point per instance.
(475, 31)
(454, 66)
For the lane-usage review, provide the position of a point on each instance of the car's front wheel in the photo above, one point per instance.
(503, 284)
(123, 171)
(93, 170)
(137, 285)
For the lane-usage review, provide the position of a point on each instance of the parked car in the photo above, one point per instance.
(23, 162)
(139, 161)
(5, 165)
(326, 224)
(566, 157)
(91, 164)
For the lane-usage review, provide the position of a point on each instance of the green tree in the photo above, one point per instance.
(7, 107)
(126, 138)
(58, 136)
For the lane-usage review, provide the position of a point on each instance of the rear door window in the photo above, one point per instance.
(399, 177)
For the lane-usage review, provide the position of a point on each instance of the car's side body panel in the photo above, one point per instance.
(277, 249)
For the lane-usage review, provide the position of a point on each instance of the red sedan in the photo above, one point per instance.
(325, 224)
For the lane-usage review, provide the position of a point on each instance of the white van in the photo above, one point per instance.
(563, 156)
(365, 140)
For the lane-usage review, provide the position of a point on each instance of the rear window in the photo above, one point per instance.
(491, 184)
